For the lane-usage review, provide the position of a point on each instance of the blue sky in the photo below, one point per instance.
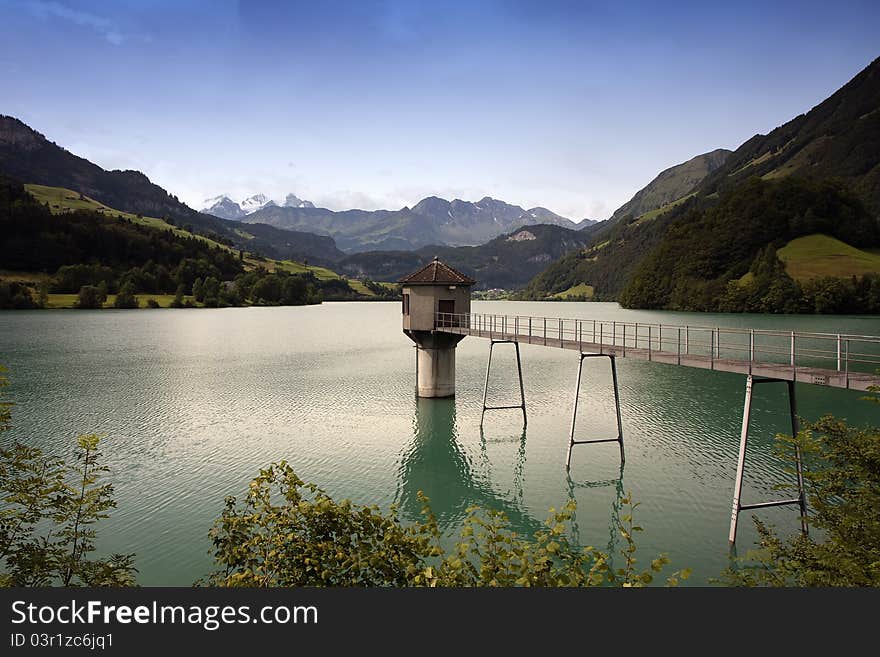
(569, 105)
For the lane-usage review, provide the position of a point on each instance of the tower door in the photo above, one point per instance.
(446, 306)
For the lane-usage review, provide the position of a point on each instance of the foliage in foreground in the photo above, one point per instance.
(842, 476)
(48, 510)
(47, 531)
(291, 533)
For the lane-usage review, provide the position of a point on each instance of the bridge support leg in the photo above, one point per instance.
(801, 499)
(522, 394)
(571, 441)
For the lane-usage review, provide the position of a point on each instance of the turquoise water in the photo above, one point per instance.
(193, 402)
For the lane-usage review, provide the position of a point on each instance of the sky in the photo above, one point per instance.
(573, 106)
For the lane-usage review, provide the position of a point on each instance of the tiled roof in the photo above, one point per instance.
(437, 273)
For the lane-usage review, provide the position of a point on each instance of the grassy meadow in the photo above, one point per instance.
(817, 255)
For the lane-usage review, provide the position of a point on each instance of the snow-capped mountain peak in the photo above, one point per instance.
(226, 207)
(208, 202)
(222, 206)
(255, 202)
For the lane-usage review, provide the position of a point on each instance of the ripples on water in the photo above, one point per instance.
(193, 403)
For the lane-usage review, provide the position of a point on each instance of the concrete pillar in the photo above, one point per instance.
(436, 368)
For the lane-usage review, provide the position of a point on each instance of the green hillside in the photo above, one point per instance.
(672, 185)
(580, 291)
(702, 251)
(63, 200)
(839, 138)
(815, 256)
(663, 209)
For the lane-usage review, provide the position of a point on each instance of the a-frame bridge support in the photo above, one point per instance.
(522, 394)
(619, 439)
(801, 499)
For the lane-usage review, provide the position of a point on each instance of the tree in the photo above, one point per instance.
(291, 533)
(91, 297)
(210, 289)
(294, 291)
(43, 294)
(126, 297)
(198, 290)
(80, 507)
(48, 512)
(177, 302)
(267, 290)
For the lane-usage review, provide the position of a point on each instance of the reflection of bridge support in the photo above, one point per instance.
(522, 394)
(800, 500)
(572, 442)
(614, 527)
(436, 464)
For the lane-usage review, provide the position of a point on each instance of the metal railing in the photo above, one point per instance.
(841, 352)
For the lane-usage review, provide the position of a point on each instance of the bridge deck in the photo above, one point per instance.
(764, 360)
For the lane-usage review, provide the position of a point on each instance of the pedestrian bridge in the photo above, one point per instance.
(836, 360)
(829, 359)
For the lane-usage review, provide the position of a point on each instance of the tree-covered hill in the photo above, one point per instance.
(87, 245)
(508, 261)
(708, 248)
(839, 138)
(817, 174)
(34, 239)
(27, 155)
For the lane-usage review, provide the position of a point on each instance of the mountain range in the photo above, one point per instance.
(432, 220)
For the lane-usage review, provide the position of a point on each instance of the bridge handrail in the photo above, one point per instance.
(843, 348)
(732, 329)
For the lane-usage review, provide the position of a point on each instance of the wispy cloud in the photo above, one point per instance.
(106, 28)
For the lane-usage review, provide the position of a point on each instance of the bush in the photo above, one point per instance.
(126, 297)
(308, 539)
(91, 297)
(15, 296)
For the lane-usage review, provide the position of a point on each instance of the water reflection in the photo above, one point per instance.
(518, 466)
(616, 504)
(436, 464)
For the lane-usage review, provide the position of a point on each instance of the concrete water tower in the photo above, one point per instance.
(435, 288)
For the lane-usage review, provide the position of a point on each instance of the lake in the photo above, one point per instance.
(193, 402)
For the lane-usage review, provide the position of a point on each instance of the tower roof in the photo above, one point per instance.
(437, 273)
